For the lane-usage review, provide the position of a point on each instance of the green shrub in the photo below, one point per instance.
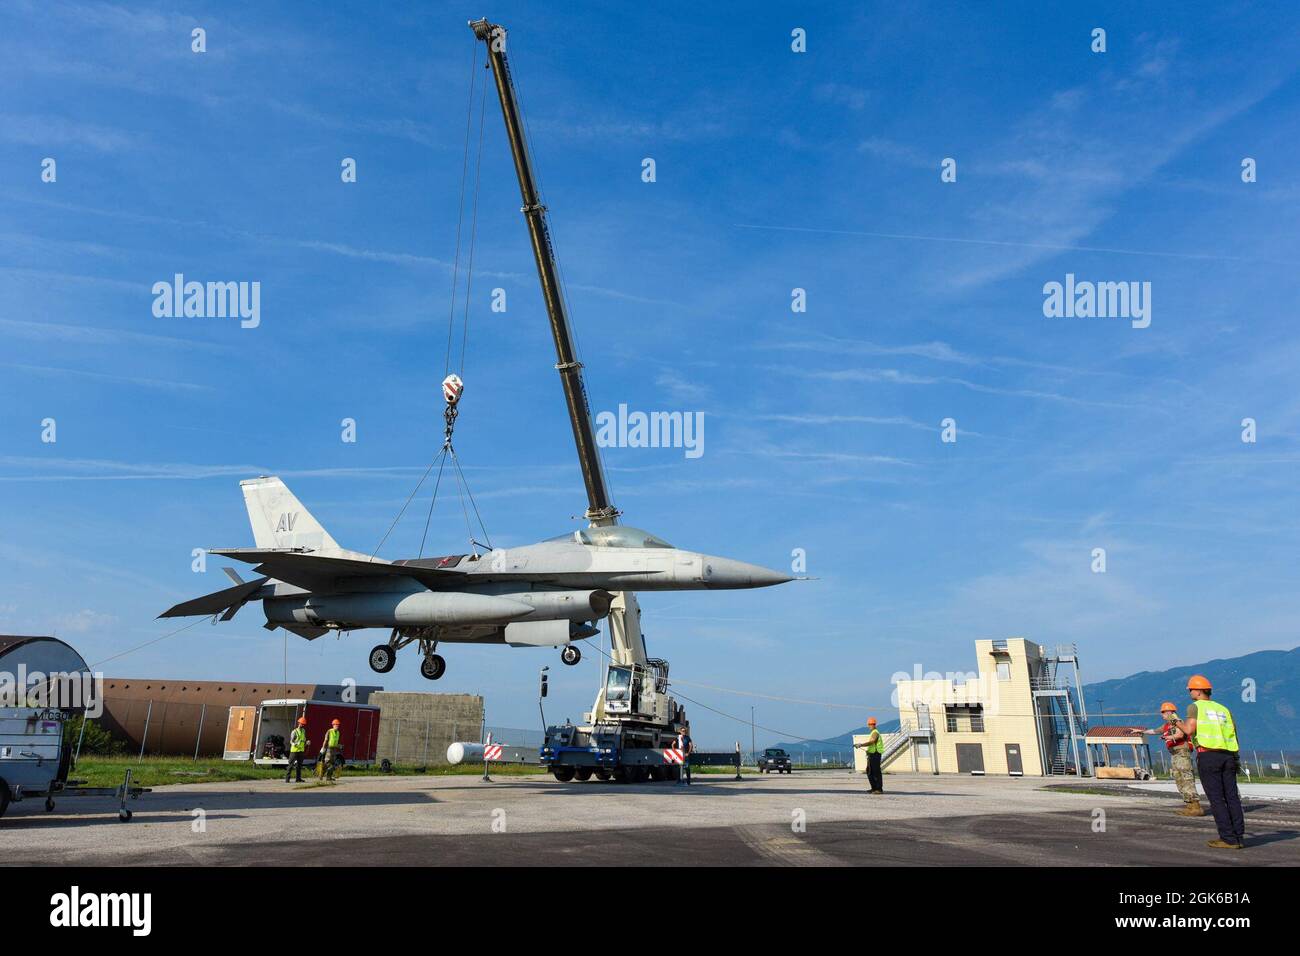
(97, 740)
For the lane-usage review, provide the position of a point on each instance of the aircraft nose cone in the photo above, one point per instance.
(726, 573)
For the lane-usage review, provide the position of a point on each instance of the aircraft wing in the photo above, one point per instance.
(317, 572)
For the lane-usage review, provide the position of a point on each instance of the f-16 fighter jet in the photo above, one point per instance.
(542, 595)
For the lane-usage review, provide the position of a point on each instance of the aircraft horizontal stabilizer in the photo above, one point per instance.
(228, 600)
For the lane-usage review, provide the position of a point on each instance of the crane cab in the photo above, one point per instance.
(639, 691)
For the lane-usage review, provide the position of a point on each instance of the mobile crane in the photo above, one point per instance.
(634, 719)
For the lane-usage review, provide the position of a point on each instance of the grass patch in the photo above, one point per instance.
(100, 771)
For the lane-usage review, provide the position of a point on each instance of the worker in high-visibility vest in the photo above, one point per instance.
(333, 744)
(1179, 744)
(1217, 760)
(875, 747)
(297, 749)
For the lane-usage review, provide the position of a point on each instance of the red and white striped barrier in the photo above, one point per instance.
(492, 752)
(673, 755)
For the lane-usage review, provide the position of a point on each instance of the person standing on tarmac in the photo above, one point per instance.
(297, 749)
(330, 752)
(1210, 725)
(685, 745)
(1179, 743)
(875, 746)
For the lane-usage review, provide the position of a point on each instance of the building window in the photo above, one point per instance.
(964, 718)
(1004, 670)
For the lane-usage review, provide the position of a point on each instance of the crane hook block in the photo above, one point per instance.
(452, 386)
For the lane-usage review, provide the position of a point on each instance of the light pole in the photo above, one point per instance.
(753, 739)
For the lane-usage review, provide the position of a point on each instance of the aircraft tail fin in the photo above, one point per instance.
(279, 519)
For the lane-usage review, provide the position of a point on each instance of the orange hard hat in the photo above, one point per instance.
(1199, 682)
(1168, 706)
(871, 721)
(335, 721)
(302, 721)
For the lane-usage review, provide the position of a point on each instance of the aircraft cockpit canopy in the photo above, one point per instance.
(615, 536)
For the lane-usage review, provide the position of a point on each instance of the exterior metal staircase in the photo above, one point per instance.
(908, 732)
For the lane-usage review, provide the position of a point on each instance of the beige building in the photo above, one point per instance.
(1017, 714)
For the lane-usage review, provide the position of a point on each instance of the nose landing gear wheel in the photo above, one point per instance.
(570, 655)
(382, 658)
(433, 666)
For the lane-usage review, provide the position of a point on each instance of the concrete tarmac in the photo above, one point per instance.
(817, 818)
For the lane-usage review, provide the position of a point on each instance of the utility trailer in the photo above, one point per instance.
(35, 761)
(358, 731)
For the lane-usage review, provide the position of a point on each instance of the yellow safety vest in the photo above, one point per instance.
(876, 746)
(332, 738)
(1214, 727)
(297, 741)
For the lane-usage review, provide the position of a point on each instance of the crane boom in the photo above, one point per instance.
(600, 511)
(627, 644)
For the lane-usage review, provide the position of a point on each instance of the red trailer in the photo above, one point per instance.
(358, 730)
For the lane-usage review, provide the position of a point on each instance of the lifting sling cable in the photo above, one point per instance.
(473, 228)
(460, 210)
(452, 385)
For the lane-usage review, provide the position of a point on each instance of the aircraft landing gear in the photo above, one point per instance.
(433, 666)
(382, 658)
(570, 655)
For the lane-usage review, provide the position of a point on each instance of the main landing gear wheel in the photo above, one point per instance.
(433, 666)
(570, 655)
(382, 658)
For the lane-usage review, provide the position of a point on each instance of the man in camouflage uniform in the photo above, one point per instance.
(1179, 745)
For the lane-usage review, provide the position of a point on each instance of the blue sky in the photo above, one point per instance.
(775, 170)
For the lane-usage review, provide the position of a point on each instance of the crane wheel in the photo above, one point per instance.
(584, 773)
(602, 775)
(563, 774)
